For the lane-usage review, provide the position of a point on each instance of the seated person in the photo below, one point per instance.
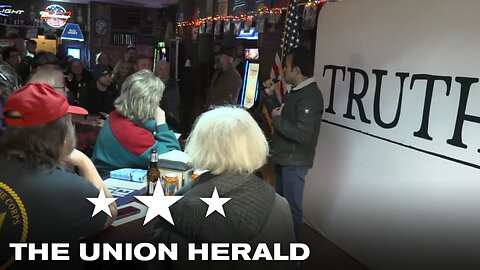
(142, 61)
(78, 79)
(121, 71)
(43, 58)
(99, 96)
(86, 127)
(9, 82)
(171, 97)
(49, 204)
(135, 127)
(228, 142)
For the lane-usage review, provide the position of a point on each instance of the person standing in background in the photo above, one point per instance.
(226, 83)
(31, 50)
(297, 125)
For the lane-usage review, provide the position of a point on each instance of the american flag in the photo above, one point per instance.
(275, 74)
(292, 28)
(291, 40)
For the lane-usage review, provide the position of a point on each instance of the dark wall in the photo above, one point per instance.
(138, 26)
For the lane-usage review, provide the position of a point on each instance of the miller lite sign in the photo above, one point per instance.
(8, 10)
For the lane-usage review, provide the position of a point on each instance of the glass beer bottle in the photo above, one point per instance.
(153, 173)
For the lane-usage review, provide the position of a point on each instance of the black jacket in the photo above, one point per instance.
(96, 101)
(255, 214)
(297, 129)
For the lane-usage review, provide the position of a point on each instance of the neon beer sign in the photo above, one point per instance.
(55, 16)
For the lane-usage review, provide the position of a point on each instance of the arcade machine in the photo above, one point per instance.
(250, 80)
(160, 53)
(249, 94)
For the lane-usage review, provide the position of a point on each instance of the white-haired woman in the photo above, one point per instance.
(228, 143)
(135, 127)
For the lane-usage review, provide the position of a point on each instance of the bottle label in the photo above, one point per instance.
(151, 187)
(154, 157)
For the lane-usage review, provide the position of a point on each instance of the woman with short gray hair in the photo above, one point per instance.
(228, 143)
(135, 127)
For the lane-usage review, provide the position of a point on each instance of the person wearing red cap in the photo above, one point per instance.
(42, 203)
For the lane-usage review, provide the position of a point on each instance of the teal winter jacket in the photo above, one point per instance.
(123, 143)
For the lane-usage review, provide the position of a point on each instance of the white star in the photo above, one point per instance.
(158, 204)
(215, 203)
(101, 203)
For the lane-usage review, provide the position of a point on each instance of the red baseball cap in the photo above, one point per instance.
(35, 104)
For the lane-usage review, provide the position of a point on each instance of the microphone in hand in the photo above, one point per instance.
(268, 83)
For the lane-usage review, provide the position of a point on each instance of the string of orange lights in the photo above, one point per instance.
(245, 17)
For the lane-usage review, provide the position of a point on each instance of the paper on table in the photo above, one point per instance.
(174, 155)
(111, 182)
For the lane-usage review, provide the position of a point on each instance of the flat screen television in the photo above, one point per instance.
(75, 52)
(252, 54)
